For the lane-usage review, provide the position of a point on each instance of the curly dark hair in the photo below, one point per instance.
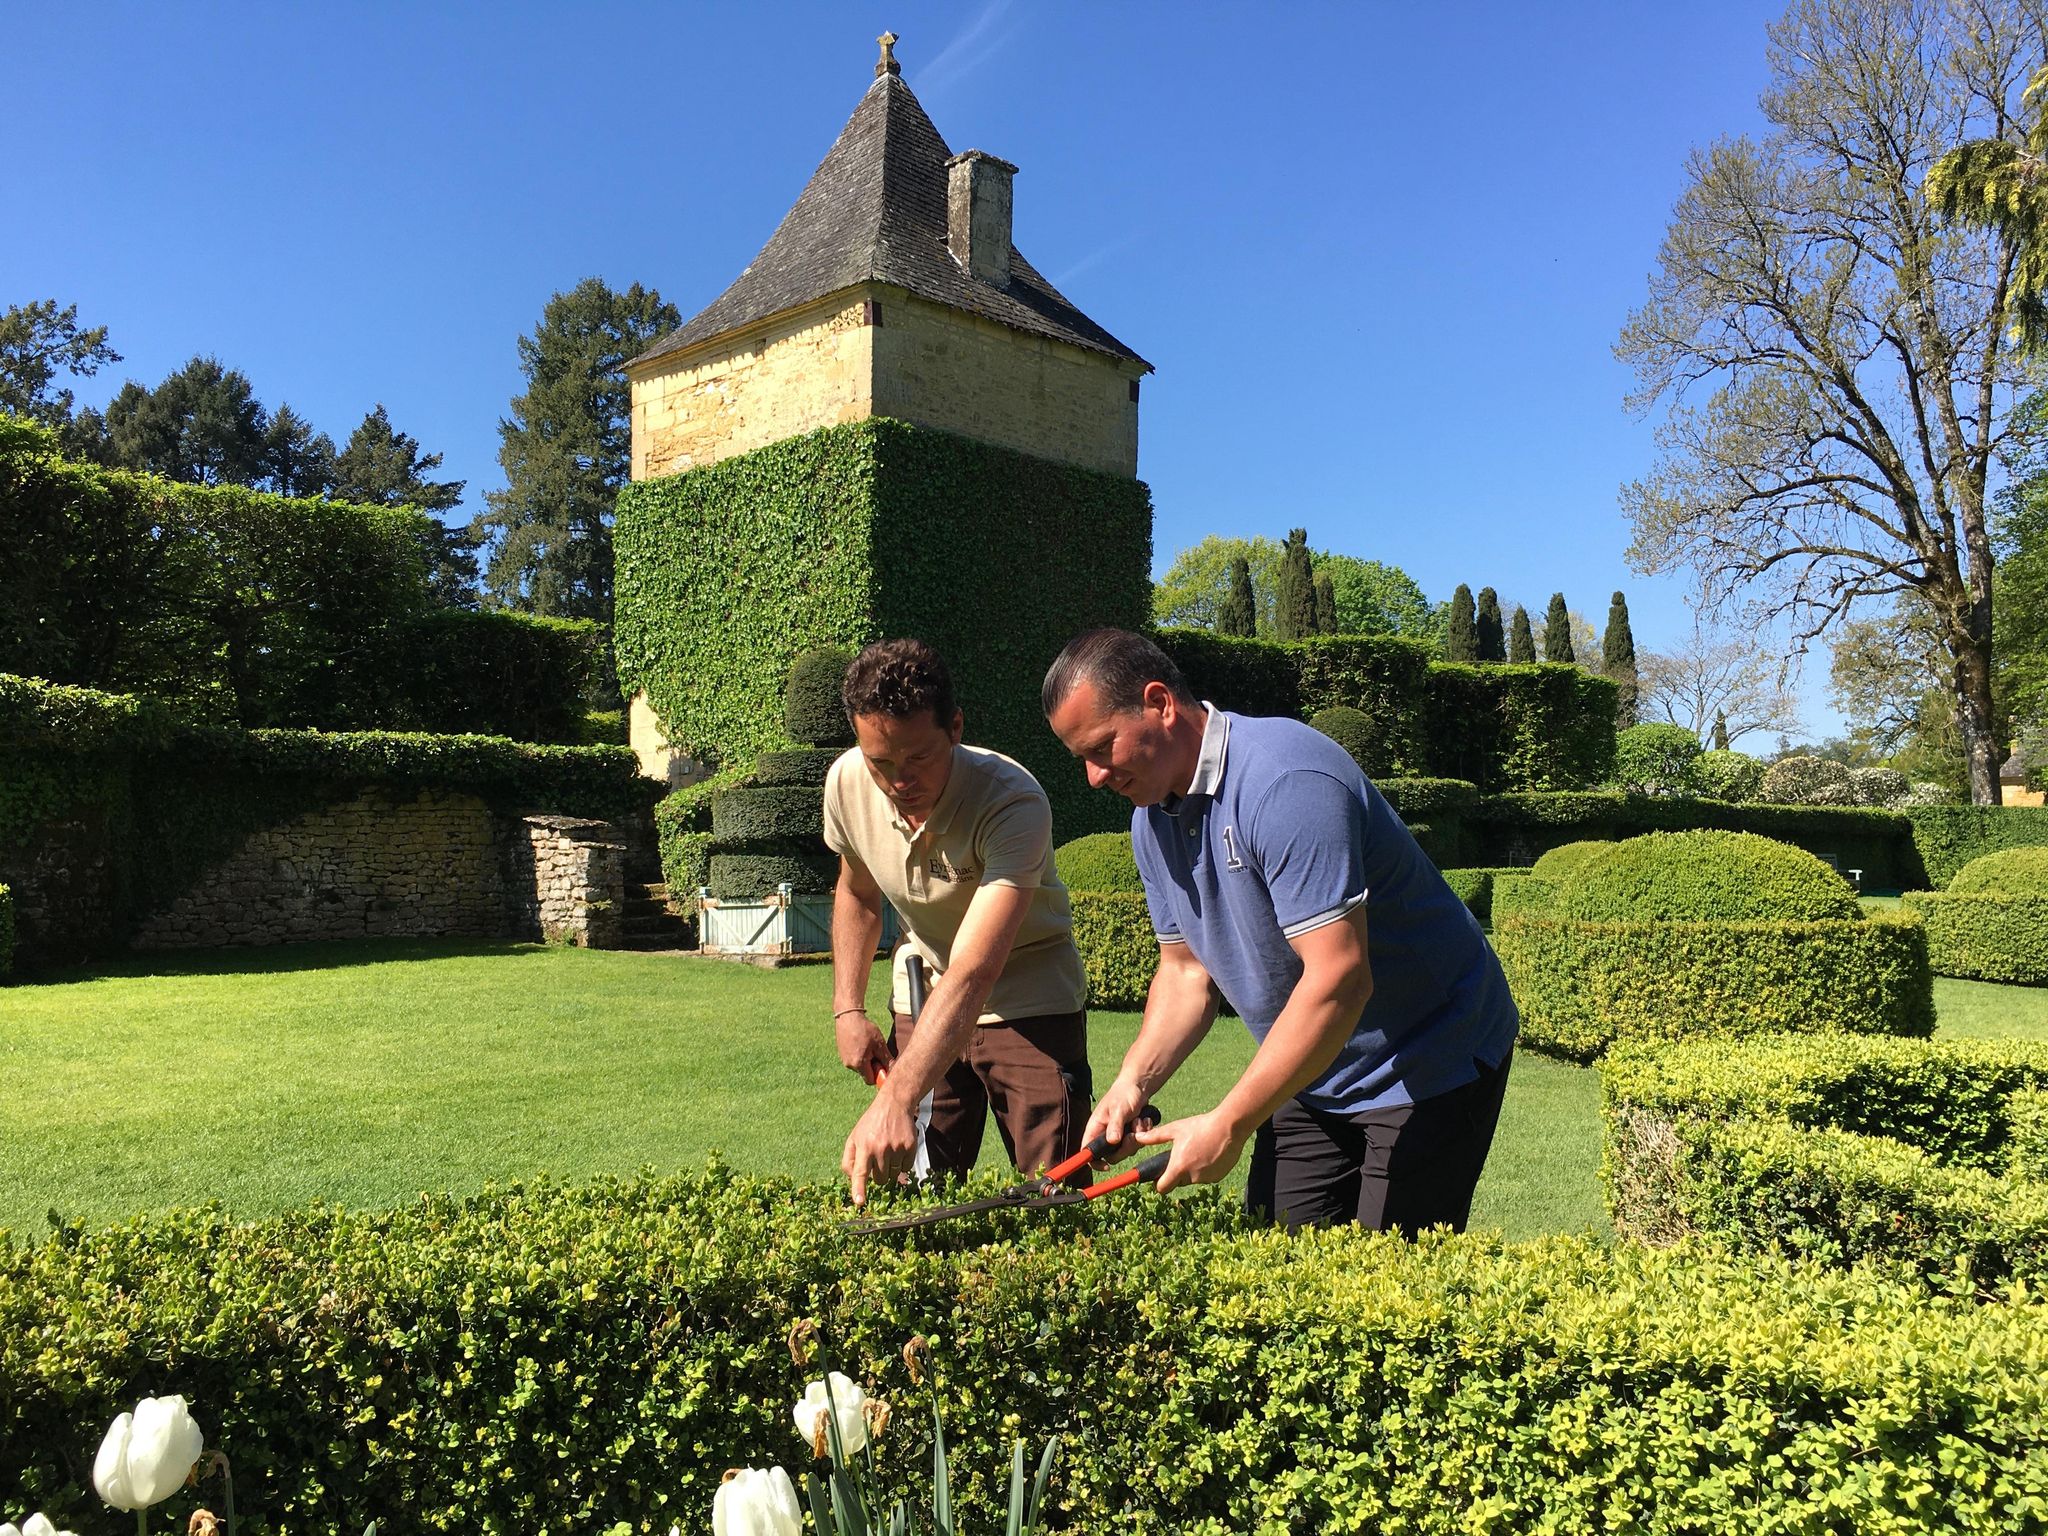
(899, 678)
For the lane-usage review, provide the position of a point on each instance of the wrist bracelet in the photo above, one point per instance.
(842, 1013)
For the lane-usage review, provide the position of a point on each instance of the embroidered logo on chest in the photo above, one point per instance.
(1232, 859)
(939, 867)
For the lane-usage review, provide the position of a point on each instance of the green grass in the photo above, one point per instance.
(366, 1073)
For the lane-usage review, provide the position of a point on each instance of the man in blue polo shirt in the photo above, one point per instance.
(1278, 875)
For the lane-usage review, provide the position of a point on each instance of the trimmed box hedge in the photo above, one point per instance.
(1946, 837)
(1986, 937)
(1119, 951)
(579, 1359)
(803, 765)
(2027, 1122)
(1798, 1145)
(742, 818)
(1475, 888)
(755, 876)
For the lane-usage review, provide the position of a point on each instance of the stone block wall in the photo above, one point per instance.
(378, 866)
(568, 879)
(64, 891)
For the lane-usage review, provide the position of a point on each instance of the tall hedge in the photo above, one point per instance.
(726, 573)
(250, 609)
(584, 1359)
(1946, 837)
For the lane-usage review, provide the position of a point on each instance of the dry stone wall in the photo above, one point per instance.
(386, 865)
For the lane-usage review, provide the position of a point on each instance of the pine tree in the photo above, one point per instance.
(297, 460)
(1326, 604)
(566, 451)
(1239, 613)
(1618, 660)
(384, 467)
(1557, 632)
(1720, 731)
(1521, 639)
(1462, 641)
(1295, 613)
(38, 341)
(1491, 642)
(202, 425)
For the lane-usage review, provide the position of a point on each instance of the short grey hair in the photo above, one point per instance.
(1120, 664)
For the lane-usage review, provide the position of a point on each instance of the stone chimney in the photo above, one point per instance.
(978, 214)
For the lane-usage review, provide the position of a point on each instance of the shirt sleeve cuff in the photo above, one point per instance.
(1323, 919)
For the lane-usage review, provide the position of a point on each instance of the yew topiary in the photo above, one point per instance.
(1680, 877)
(1101, 861)
(1563, 863)
(2010, 871)
(812, 711)
(1353, 730)
(1728, 775)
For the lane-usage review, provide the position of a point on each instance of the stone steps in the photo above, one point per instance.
(648, 922)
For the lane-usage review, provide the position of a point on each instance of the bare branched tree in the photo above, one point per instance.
(1734, 675)
(1835, 360)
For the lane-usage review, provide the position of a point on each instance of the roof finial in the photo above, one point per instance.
(887, 64)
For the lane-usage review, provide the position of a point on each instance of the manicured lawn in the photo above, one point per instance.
(366, 1073)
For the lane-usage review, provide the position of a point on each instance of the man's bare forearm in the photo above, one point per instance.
(856, 934)
(1180, 1006)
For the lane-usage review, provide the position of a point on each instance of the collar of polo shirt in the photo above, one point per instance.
(941, 814)
(1208, 763)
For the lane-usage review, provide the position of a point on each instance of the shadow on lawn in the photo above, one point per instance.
(278, 959)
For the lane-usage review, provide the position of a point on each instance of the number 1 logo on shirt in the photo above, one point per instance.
(1231, 860)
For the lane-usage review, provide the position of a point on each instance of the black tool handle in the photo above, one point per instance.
(914, 984)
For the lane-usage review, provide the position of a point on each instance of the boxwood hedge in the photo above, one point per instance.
(1946, 837)
(594, 1358)
(2027, 1121)
(1101, 861)
(1985, 937)
(1475, 887)
(1119, 951)
(742, 819)
(1799, 1145)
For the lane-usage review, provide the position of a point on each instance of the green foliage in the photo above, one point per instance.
(1488, 635)
(566, 449)
(37, 342)
(1563, 863)
(1521, 639)
(498, 673)
(1196, 590)
(1101, 861)
(1618, 661)
(1994, 183)
(1656, 758)
(806, 765)
(1707, 876)
(1834, 1147)
(1418, 799)
(682, 829)
(1557, 632)
(1239, 613)
(845, 535)
(383, 467)
(1726, 775)
(744, 819)
(2010, 871)
(1461, 642)
(1520, 728)
(584, 1359)
(1986, 935)
(1375, 599)
(2026, 1112)
(1352, 729)
(1119, 951)
(1294, 605)
(6, 932)
(1885, 787)
(813, 711)
(1475, 887)
(1386, 677)
(1325, 604)
(1250, 677)
(1947, 837)
(1582, 986)
(755, 876)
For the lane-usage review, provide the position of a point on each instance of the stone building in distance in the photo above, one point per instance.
(892, 289)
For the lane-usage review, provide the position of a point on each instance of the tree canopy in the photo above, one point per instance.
(39, 341)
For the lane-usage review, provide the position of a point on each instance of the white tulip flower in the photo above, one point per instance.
(147, 1454)
(751, 1502)
(847, 1402)
(37, 1524)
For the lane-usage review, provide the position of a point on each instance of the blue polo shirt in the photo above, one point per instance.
(1279, 834)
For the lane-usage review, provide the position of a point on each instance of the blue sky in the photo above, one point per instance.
(1378, 252)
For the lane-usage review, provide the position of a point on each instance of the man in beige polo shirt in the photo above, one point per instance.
(959, 840)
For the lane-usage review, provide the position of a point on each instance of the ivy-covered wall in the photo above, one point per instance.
(727, 573)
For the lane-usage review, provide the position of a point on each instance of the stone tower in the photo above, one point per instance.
(892, 289)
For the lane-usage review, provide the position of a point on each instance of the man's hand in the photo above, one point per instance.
(1116, 1115)
(861, 1046)
(1205, 1149)
(883, 1145)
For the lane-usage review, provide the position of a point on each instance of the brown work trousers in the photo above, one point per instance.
(1032, 1072)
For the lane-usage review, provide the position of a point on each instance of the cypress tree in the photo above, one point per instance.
(1618, 660)
(1521, 639)
(1462, 641)
(1326, 604)
(1720, 731)
(1492, 643)
(1294, 616)
(1239, 613)
(1557, 632)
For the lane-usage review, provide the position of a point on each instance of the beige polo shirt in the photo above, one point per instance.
(991, 825)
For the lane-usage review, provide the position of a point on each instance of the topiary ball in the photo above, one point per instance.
(813, 714)
(1690, 877)
(1100, 862)
(2009, 872)
(1352, 729)
(1656, 758)
(1564, 862)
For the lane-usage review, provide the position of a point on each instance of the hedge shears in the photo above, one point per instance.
(1047, 1190)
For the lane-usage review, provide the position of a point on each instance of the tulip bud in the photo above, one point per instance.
(147, 1454)
(752, 1502)
(816, 1410)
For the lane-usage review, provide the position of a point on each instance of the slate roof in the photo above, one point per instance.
(875, 211)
